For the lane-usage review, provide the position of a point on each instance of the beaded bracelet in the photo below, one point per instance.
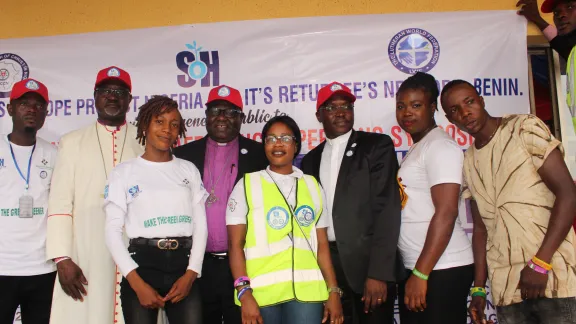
(541, 263)
(243, 291)
(419, 274)
(537, 268)
(478, 291)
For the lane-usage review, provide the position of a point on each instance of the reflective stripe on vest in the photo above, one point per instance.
(280, 251)
(570, 85)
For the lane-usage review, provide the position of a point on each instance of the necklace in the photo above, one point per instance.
(212, 198)
(414, 146)
(102, 153)
(481, 145)
(289, 193)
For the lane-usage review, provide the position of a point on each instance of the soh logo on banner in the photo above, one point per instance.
(12, 69)
(198, 65)
(414, 50)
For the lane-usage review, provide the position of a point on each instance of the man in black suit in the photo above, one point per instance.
(222, 157)
(358, 171)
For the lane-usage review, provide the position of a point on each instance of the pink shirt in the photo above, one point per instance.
(220, 171)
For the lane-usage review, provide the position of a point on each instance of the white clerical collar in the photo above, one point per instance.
(296, 173)
(340, 139)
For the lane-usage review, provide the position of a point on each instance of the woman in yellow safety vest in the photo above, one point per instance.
(277, 230)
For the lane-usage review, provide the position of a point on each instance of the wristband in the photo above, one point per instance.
(240, 281)
(541, 263)
(478, 291)
(419, 274)
(537, 268)
(243, 291)
(58, 260)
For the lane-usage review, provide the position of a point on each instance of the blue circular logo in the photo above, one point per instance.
(197, 70)
(277, 218)
(414, 50)
(305, 215)
(12, 69)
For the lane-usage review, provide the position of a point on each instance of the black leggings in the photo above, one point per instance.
(446, 297)
(160, 269)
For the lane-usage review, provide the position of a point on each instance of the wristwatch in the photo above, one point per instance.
(336, 290)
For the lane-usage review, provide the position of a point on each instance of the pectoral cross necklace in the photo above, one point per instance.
(212, 198)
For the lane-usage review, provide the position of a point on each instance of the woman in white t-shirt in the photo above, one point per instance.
(436, 251)
(159, 199)
(277, 227)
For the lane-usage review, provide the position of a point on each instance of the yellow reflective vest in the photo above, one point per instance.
(281, 252)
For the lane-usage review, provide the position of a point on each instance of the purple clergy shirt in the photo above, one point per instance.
(220, 171)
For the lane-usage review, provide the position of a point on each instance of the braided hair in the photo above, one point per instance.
(422, 81)
(156, 106)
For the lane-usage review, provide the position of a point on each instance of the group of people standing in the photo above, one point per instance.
(118, 222)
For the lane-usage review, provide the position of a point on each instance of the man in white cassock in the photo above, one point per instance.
(87, 288)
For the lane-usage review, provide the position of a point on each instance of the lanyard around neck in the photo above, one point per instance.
(27, 178)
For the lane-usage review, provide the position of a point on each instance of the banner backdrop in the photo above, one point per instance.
(279, 65)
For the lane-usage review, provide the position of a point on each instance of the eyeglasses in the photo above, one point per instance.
(40, 107)
(121, 93)
(333, 109)
(228, 112)
(284, 139)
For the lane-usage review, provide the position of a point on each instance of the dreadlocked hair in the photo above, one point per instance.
(156, 106)
(422, 81)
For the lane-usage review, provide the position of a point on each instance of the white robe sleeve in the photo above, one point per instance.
(59, 234)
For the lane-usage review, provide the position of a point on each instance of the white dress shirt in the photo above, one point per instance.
(329, 168)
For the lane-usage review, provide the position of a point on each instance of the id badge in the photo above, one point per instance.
(26, 202)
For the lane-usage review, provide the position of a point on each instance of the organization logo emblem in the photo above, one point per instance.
(113, 72)
(198, 65)
(224, 92)
(106, 192)
(335, 87)
(12, 69)
(414, 50)
(32, 85)
(305, 215)
(134, 191)
(43, 174)
(277, 218)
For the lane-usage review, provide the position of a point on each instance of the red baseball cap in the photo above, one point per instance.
(549, 5)
(333, 88)
(113, 73)
(21, 88)
(226, 93)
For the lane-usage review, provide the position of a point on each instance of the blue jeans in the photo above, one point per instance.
(293, 312)
(539, 311)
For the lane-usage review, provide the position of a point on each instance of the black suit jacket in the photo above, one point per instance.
(254, 159)
(367, 208)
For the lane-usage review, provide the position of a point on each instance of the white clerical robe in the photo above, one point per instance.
(76, 220)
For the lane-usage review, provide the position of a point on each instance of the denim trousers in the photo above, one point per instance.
(293, 312)
(539, 311)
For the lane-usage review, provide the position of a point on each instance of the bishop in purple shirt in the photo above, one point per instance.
(222, 157)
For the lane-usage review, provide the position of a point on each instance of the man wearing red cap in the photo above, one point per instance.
(358, 172)
(223, 157)
(26, 161)
(562, 36)
(87, 291)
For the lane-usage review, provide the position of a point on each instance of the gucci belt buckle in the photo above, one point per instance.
(167, 244)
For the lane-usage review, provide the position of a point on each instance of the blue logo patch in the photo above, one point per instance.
(414, 50)
(12, 69)
(305, 215)
(106, 192)
(134, 191)
(277, 218)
